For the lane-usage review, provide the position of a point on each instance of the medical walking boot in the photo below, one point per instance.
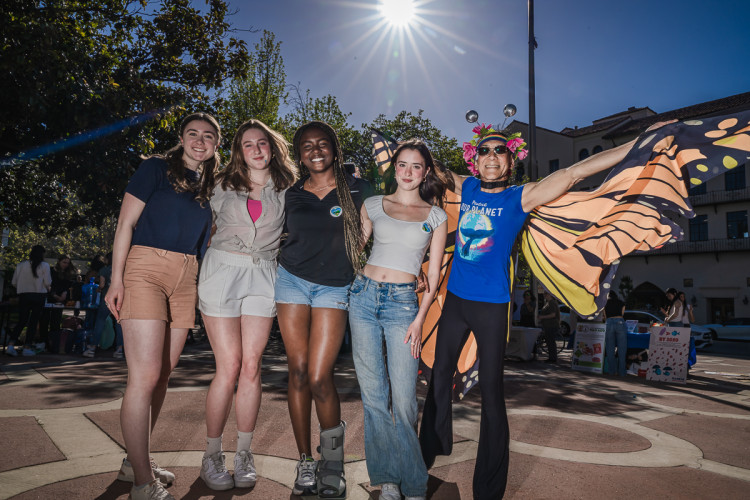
(330, 473)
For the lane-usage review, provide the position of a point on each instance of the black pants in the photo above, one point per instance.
(550, 339)
(30, 306)
(489, 322)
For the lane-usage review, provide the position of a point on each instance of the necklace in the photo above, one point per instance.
(258, 183)
(311, 188)
(493, 184)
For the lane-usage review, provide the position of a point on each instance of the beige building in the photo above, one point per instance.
(712, 264)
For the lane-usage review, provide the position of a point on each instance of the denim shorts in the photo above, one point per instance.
(291, 289)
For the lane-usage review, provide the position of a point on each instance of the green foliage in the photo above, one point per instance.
(260, 92)
(80, 65)
(81, 243)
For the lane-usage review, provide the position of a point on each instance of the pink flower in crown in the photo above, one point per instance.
(477, 129)
(513, 144)
(469, 152)
(523, 154)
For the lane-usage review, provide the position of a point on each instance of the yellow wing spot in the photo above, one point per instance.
(715, 133)
(729, 162)
(729, 122)
(702, 167)
(695, 181)
(726, 140)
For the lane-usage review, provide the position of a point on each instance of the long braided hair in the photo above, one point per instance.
(352, 223)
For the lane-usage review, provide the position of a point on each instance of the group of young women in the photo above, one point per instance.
(176, 203)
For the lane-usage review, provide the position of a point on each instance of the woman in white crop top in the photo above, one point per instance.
(386, 316)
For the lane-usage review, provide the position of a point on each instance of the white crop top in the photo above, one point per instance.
(399, 244)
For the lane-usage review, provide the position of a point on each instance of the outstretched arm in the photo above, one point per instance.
(458, 181)
(560, 182)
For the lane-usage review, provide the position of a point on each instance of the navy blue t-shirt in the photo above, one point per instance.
(170, 220)
(487, 230)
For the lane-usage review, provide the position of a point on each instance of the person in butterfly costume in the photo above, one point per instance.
(492, 213)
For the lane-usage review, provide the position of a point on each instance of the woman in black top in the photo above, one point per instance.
(316, 266)
(527, 310)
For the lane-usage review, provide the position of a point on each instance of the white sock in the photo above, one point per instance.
(213, 446)
(244, 439)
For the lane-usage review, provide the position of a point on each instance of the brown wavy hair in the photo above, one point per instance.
(235, 175)
(437, 180)
(208, 169)
(352, 223)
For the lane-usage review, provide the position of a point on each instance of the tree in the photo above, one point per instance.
(259, 93)
(81, 65)
(405, 125)
(355, 145)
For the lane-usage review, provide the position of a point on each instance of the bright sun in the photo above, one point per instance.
(397, 12)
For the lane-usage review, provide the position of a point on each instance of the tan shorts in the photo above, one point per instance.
(233, 285)
(160, 284)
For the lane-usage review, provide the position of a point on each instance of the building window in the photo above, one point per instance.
(554, 165)
(737, 224)
(583, 154)
(735, 179)
(699, 189)
(597, 149)
(699, 228)
(687, 282)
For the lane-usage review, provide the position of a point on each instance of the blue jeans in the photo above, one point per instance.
(616, 335)
(380, 314)
(102, 313)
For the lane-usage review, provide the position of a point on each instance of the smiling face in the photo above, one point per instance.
(493, 167)
(199, 140)
(410, 169)
(316, 150)
(256, 149)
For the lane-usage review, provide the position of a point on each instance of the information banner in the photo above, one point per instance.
(668, 354)
(588, 351)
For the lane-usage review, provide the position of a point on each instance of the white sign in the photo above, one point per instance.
(668, 351)
(588, 350)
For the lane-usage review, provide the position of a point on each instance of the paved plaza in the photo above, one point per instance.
(574, 435)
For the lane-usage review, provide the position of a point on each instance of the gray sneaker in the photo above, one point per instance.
(215, 474)
(244, 469)
(152, 491)
(126, 473)
(306, 482)
(390, 491)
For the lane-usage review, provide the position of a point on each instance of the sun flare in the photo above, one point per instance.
(397, 13)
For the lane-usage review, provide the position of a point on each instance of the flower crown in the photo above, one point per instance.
(515, 144)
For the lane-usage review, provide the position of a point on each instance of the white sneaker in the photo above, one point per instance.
(390, 491)
(244, 469)
(126, 473)
(152, 491)
(215, 474)
(118, 354)
(28, 352)
(306, 482)
(90, 352)
(11, 350)
(415, 498)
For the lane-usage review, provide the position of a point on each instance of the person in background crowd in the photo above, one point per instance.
(673, 313)
(550, 316)
(102, 313)
(33, 281)
(615, 335)
(687, 311)
(528, 308)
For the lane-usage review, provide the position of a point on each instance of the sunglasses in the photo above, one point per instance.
(499, 150)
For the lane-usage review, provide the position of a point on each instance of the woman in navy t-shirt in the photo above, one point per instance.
(162, 231)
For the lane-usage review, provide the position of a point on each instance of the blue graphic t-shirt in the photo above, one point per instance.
(487, 229)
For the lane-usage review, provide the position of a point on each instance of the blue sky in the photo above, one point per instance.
(595, 57)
